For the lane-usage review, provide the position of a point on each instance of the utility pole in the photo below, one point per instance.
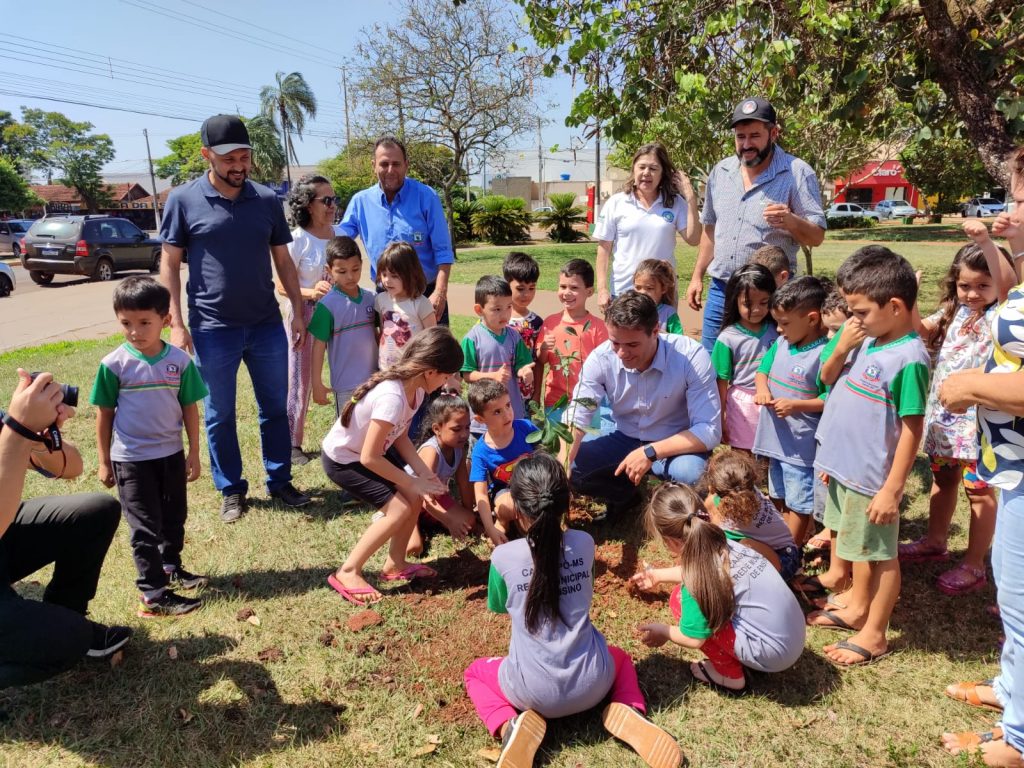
(348, 131)
(540, 164)
(597, 169)
(152, 179)
(483, 174)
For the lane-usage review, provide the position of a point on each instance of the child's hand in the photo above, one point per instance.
(321, 289)
(654, 635)
(497, 537)
(763, 397)
(192, 466)
(784, 407)
(852, 337)
(1006, 226)
(884, 508)
(502, 375)
(428, 485)
(976, 230)
(320, 393)
(644, 579)
(725, 432)
(106, 473)
(458, 523)
(526, 376)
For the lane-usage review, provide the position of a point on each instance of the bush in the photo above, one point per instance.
(501, 220)
(462, 218)
(849, 222)
(562, 218)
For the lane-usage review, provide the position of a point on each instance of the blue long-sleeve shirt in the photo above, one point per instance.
(414, 216)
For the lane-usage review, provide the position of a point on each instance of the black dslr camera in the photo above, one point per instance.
(52, 438)
(69, 391)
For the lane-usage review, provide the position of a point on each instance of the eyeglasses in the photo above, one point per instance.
(327, 200)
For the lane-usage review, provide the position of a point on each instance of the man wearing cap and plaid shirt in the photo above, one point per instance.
(761, 196)
(232, 229)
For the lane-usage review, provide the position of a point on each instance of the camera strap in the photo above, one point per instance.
(51, 437)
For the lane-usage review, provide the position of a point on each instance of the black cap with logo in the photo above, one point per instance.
(222, 134)
(754, 108)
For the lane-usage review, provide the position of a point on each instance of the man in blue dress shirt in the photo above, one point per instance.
(398, 208)
(664, 401)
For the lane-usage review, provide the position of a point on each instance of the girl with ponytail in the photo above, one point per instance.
(558, 664)
(366, 452)
(729, 601)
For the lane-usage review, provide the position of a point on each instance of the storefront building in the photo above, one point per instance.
(875, 182)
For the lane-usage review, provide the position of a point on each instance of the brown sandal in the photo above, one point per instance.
(969, 741)
(968, 694)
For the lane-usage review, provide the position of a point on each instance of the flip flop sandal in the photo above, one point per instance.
(410, 572)
(919, 552)
(867, 657)
(962, 580)
(968, 694)
(835, 621)
(355, 595)
(705, 679)
(969, 741)
(817, 543)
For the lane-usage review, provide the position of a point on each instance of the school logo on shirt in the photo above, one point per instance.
(799, 370)
(872, 373)
(417, 237)
(173, 371)
(668, 216)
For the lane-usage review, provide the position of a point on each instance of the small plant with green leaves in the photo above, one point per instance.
(563, 218)
(552, 434)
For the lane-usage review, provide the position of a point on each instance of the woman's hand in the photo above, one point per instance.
(321, 289)
(685, 187)
(955, 393)
(604, 298)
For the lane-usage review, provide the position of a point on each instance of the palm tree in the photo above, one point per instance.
(287, 105)
(268, 156)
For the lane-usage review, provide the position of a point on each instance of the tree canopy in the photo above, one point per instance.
(15, 194)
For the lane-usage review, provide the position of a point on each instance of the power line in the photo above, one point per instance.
(274, 32)
(5, 92)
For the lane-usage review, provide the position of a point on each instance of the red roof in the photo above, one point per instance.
(58, 193)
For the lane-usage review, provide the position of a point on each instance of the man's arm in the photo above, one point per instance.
(705, 255)
(289, 278)
(170, 276)
(439, 298)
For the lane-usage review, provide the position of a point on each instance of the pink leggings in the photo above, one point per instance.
(720, 648)
(495, 710)
(300, 364)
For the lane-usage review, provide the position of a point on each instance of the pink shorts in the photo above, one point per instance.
(741, 415)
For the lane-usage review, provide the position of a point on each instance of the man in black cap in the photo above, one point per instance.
(231, 229)
(761, 196)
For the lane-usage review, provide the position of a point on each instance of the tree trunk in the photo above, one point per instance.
(285, 141)
(808, 258)
(964, 83)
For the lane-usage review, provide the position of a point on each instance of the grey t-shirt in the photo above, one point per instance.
(792, 374)
(738, 353)
(769, 625)
(565, 668)
(345, 325)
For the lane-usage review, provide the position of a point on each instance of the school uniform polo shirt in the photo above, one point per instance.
(345, 324)
(227, 243)
(415, 216)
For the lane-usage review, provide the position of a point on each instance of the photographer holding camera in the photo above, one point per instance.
(41, 639)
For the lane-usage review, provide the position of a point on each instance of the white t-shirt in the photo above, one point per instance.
(638, 233)
(309, 254)
(400, 320)
(385, 402)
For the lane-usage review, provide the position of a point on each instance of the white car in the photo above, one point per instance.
(895, 209)
(7, 281)
(980, 207)
(850, 210)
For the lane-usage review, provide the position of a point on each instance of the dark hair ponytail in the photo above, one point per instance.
(540, 492)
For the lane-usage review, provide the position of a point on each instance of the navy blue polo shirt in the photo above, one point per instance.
(230, 277)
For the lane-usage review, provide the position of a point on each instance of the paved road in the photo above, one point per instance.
(73, 308)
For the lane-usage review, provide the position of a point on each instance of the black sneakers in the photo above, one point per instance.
(290, 497)
(168, 604)
(182, 579)
(232, 507)
(106, 641)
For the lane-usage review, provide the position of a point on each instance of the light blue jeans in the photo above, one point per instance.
(1008, 568)
(714, 311)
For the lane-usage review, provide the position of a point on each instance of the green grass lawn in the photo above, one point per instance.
(301, 687)
(931, 257)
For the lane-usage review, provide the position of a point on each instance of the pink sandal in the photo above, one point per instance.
(962, 580)
(921, 552)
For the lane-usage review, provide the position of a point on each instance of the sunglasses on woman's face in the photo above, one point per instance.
(327, 200)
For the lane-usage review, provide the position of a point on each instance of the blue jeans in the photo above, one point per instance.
(714, 311)
(264, 350)
(593, 471)
(1008, 568)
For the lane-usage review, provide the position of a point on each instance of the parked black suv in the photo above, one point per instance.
(96, 246)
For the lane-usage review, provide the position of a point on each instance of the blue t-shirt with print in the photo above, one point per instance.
(494, 465)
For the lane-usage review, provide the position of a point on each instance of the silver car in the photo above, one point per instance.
(7, 280)
(895, 209)
(11, 233)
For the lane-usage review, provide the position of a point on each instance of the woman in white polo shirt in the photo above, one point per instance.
(641, 221)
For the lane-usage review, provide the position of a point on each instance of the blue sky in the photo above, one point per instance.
(187, 59)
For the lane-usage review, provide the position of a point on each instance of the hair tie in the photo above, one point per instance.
(354, 400)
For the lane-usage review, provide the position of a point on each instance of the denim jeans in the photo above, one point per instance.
(714, 311)
(264, 350)
(593, 471)
(1008, 568)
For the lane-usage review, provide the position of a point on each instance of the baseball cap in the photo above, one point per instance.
(754, 108)
(224, 133)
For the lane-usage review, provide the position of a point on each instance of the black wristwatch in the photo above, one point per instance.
(650, 453)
